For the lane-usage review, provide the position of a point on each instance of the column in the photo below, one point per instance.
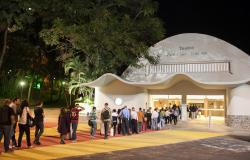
(205, 107)
(184, 114)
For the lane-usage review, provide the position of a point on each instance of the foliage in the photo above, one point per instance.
(106, 35)
(89, 37)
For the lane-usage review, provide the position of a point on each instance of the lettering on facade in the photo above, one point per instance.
(183, 51)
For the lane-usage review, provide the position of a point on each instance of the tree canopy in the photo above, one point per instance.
(88, 37)
(106, 35)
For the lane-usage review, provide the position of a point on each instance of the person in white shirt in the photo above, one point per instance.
(154, 118)
(114, 116)
(167, 115)
(134, 119)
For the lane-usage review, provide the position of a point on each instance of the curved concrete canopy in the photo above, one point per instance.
(215, 63)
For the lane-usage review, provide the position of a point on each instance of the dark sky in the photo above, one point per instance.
(223, 19)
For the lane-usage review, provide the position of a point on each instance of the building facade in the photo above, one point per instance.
(192, 69)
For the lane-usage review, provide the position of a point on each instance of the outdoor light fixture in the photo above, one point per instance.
(22, 83)
(118, 101)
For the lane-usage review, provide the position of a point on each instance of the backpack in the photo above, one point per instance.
(4, 115)
(106, 114)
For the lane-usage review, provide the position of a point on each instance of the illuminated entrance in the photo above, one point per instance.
(163, 101)
(213, 105)
(208, 104)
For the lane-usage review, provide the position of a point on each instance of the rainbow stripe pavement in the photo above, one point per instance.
(51, 148)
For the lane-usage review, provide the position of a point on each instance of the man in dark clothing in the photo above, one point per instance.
(6, 124)
(148, 115)
(15, 105)
(39, 121)
(105, 117)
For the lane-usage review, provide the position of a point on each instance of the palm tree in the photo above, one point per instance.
(74, 67)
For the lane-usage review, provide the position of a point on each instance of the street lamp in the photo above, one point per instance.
(22, 84)
(63, 83)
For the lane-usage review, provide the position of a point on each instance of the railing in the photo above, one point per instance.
(199, 67)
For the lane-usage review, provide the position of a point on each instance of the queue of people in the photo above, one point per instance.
(127, 121)
(13, 113)
(124, 121)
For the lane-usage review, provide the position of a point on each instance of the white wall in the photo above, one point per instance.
(134, 100)
(239, 101)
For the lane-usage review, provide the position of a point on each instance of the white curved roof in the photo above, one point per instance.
(202, 58)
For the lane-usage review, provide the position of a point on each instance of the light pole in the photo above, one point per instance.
(22, 84)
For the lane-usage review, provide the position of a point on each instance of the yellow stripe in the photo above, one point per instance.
(113, 144)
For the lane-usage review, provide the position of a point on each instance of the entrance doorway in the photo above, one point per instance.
(163, 101)
(213, 105)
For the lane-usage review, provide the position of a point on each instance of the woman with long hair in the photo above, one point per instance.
(63, 125)
(23, 125)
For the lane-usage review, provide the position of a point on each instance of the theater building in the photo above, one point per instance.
(192, 69)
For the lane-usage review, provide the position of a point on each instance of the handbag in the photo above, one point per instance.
(30, 120)
(90, 123)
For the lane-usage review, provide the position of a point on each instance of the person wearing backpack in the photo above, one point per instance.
(7, 119)
(105, 117)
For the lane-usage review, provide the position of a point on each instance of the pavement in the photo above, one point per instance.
(215, 148)
(194, 139)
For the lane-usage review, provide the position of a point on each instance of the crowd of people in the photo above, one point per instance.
(124, 121)
(127, 121)
(193, 111)
(13, 113)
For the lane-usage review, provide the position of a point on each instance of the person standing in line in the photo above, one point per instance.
(39, 121)
(105, 117)
(93, 118)
(74, 120)
(162, 118)
(7, 120)
(179, 110)
(175, 114)
(134, 120)
(63, 125)
(114, 120)
(23, 125)
(145, 119)
(68, 117)
(167, 116)
(125, 120)
(119, 128)
(149, 115)
(140, 115)
(130, 121)
(154, 118)
(15, 105)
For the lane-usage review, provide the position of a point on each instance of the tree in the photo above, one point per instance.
(105, 35)
(14, 15)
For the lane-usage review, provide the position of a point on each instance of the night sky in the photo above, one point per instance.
(226, 20)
